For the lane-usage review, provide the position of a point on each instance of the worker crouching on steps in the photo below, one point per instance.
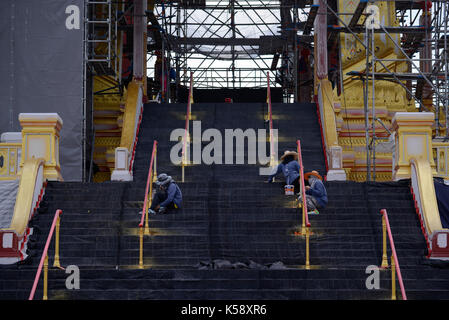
(168, 195)
(316, 195)
(289, 166)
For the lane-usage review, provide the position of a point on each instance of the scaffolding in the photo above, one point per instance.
(236, 43)
(233, 43)
(423, 46)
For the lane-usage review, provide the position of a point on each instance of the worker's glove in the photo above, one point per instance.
(162, 210)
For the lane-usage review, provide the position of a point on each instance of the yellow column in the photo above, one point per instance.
(384, 240)
(413, 139)
(307, 248)
(40, 139)
(45, 295)
(140, 248)
(57, 263)
(393, 279)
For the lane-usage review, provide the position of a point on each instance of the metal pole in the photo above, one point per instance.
(150, 200)
(373, 139)
(307, 248)
(437, 55)
(296, 53)
(365, 96)
(384, 246)
(84, 89)
(45, 295)
(12, 66)
(141, 248)
(233, 37)
(163, 89)
(178, 54)
(109, 33)
(393, 279)
(446, 89)
(56, 263)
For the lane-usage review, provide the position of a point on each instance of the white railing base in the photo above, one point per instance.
(121, 175)
(336, 175)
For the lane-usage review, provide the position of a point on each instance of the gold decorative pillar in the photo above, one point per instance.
(40, 139)
(10, 153)
(413, 139)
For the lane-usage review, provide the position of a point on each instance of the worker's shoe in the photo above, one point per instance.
(314, 212)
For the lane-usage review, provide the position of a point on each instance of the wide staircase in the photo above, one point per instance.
(235, 236)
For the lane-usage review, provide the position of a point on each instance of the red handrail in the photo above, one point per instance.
(189, 103)
(303, 188)
(393, 250)
(150, 170)
(136, 138)
(44, 254)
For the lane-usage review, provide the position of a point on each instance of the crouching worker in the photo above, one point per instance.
(289, 166)
(168, 195)
(316, 195)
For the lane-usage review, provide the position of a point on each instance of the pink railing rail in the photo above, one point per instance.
(393, 251)
(149, 180)
(303, 188)
(44, 254)
(189, 106)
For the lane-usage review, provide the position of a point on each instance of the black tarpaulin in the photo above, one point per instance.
(442, 193)
(41, 67)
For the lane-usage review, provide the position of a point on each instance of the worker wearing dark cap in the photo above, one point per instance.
(167, 197)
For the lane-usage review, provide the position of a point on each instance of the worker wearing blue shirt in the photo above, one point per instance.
(169, 195)
(290, 168)
(316, 195)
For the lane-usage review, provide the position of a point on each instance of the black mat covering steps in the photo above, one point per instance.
(226, 264)
(229, 214)
(442, 194)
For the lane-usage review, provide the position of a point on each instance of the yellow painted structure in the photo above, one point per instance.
(130, 116)
(440, 151)
(108, 119)
(328, 113)
(30, 180)
(30, 186)
(414, 159)
(40, 139)
(413, 139)
(424, 189)
(9, 160)
(389, 97)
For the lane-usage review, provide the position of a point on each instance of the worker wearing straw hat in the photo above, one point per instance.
(316, 195)
(289, 166)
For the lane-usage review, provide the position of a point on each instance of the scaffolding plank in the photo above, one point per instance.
(390, 76)
(412, 42)
(407, 4)
(419, 89)
(233, 41)
(357, 13)
(361, 29)
(275, 61)
(188, 4)
(310, 19)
